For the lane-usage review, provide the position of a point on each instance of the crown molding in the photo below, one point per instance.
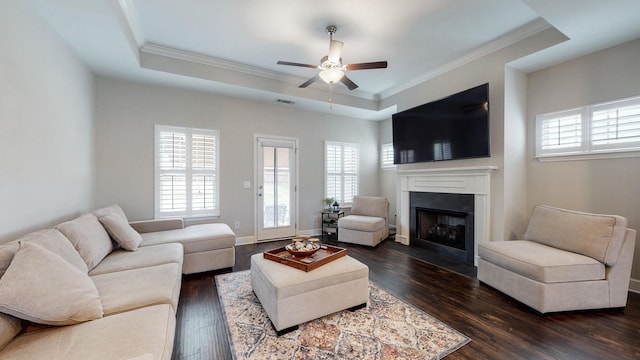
(511, 38)
(177, 54)
(135, 35)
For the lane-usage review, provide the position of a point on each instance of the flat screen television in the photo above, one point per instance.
(455, 127)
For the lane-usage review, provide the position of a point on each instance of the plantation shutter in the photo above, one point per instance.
(616, 126)
(186, 172)
(350, 160)
(333, 165)
(172, 153)
(386, 155)
(560, 132)
(341, 171)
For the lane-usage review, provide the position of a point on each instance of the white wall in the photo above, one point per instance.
(388, 177)
(607, 186)
(515, 154)
(125, 116)
(46, 110)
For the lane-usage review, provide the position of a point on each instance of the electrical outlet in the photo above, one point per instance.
(237, 225)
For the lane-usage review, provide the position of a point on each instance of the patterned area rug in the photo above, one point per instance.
(388, 328)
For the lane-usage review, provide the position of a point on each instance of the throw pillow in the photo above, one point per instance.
(121, 231)
(52, 240)
(89, 238)
(113, 209)
(41, 287)
(9, 327)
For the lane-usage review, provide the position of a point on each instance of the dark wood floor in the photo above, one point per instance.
(499, 327)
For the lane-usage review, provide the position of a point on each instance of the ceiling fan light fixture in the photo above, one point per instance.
(331, 76)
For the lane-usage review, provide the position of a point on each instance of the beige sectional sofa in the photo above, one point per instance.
(568, 260)
(95, 288)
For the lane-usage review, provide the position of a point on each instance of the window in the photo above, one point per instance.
(341, 166)
(386, 156)
(595, 129)
(186, 172)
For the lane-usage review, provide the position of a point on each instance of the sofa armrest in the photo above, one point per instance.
(146, 226)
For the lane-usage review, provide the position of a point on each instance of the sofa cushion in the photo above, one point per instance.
(132, 289)
(594, 235)
(144, 332)
(89, 238)
(51, 240)
(120, 260)
(194, 238)
(108, 210)
(370, 206)
(42, 287)
(10, 326)
(121, 231)
(541, 262)
(361, 223)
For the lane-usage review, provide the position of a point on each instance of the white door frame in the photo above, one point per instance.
(257, 190)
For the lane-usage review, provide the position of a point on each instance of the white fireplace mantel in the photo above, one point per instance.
(461, 180)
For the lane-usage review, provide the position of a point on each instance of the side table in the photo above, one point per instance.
(330, 224)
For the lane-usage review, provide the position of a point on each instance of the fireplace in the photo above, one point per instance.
(472, 180)
(443, 223)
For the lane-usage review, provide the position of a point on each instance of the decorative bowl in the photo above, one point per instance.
(302, 252)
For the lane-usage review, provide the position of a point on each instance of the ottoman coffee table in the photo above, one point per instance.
(291, 296)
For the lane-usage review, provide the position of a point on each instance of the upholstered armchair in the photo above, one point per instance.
(567, 260)
(368, 223)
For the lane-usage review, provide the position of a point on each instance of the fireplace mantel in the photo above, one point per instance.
(461, 180)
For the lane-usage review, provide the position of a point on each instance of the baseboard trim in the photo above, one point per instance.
(246, 240)
(634, 286)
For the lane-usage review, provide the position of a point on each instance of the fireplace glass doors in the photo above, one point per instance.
(443, 223)
(442, 227)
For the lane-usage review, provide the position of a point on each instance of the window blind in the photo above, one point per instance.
(386, 156)
(563, 131)
(341, 167)
(616, 126)
(186, 172)
(594, 129)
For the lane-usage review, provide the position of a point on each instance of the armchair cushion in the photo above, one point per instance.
(594, 235)
(540, 262)
(361, 223)
(370, 206)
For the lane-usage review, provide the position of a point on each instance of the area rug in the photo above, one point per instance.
(388, 328)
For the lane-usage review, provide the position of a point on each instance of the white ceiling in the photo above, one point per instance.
(231, 46)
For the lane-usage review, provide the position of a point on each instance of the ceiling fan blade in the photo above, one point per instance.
(309, 82)
(335, 50)
(350, 84)
(297, 64)
(368, 65)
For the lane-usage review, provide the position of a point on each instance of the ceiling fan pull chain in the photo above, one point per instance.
(331, 96)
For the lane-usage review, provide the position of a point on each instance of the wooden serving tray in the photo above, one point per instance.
(325, 254)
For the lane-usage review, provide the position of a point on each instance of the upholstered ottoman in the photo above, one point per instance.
(291, 296)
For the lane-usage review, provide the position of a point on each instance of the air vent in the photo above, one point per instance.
(288, 102)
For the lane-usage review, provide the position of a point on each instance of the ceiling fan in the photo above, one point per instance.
(331, 68)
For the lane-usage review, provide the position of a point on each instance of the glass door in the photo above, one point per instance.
(276, 188)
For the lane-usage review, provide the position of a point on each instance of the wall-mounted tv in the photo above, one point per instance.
(455, 127)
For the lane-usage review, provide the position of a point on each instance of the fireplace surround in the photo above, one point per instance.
(462, 180)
